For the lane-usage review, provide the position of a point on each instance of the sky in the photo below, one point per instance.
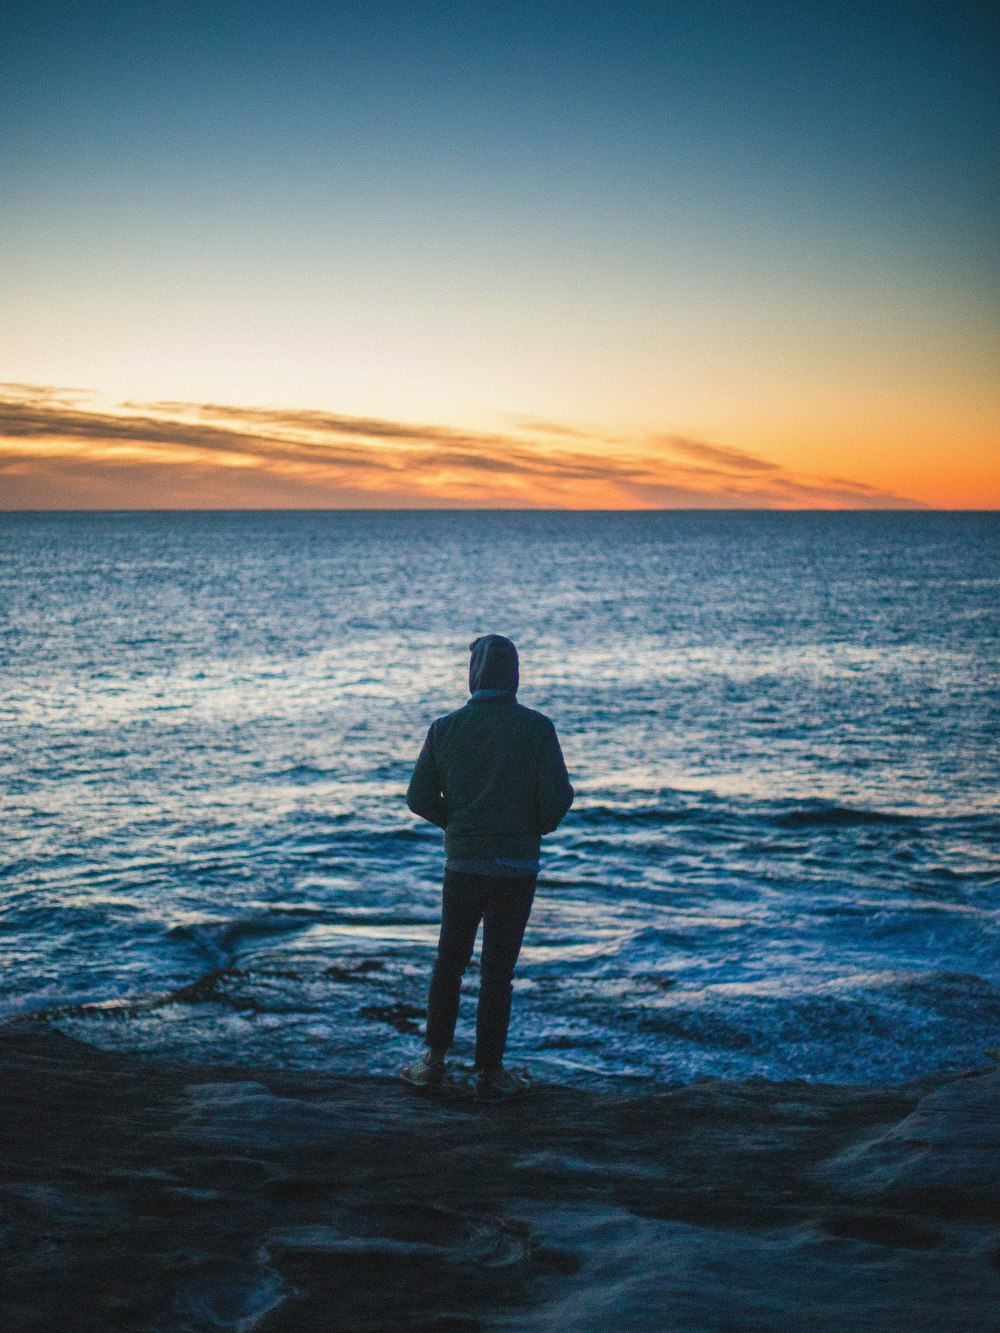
(583, 255)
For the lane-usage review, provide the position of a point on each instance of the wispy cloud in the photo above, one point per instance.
(57, 450)
(717, 455)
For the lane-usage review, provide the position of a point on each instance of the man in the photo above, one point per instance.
(492, 776)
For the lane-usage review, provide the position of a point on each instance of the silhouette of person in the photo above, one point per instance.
(491, 775)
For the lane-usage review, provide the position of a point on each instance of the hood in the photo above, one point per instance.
(493, 665)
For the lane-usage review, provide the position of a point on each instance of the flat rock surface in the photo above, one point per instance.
(946, 1152)
(141, 1196)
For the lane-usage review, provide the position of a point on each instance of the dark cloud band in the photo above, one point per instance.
(57, 452)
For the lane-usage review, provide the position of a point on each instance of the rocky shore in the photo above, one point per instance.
(141, 1196)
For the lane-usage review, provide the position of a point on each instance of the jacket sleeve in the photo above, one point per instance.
(555, 794)
(423, 795)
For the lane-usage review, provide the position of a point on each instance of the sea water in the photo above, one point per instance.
(782, 859)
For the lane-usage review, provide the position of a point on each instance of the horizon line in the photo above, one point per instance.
(500, 509)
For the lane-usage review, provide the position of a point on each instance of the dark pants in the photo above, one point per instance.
(503, 906)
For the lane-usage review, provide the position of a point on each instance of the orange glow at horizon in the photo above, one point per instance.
(59, 451)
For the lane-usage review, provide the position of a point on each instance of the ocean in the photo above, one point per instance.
(781, 862)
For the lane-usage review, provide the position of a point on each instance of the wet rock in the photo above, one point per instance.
(405, 1018)
(229, 1296)
(354, 971)
(945, 1156)
(139, 1196)
(246, 1115)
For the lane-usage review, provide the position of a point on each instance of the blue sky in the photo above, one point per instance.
(675, 217)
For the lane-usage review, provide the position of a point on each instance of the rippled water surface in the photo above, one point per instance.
(781, 727)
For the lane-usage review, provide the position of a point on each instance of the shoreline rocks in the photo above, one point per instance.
(146, 1196)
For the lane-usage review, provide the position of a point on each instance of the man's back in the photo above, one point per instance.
(491, 774)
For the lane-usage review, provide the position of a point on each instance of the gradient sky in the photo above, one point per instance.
(578, 254)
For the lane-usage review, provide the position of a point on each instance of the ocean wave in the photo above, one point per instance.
(643, 952)
(219, 939)
(948, 991)
(893, 1027)
(716, 812)
(654, 815)
(827, 815)
(304, 774)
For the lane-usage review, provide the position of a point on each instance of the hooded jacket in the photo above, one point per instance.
(491, 774)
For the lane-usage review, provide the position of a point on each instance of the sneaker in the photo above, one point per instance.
(496, 1084)
(424, 1073)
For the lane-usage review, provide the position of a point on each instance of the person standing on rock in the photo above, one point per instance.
(492, 776)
